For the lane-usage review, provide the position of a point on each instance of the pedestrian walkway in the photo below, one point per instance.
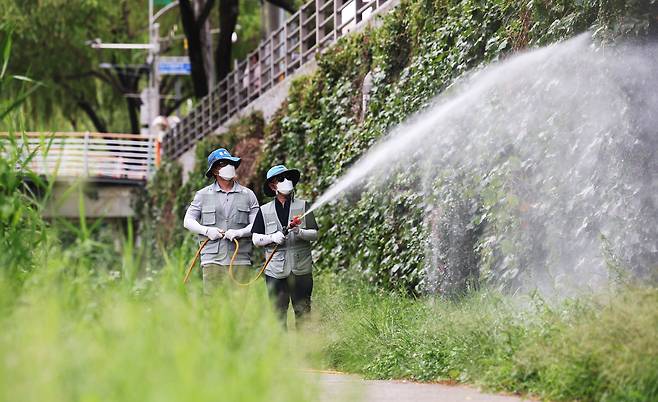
(337, 387)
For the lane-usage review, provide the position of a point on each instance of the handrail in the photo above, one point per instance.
(311, 29)
(59, 134)
(94, 156)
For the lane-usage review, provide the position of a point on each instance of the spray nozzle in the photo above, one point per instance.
(296, 221)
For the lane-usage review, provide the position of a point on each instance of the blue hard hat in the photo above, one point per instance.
(218, 155)
(276, 171)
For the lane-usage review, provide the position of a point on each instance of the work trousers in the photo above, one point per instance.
(295, 288)
(214, 275)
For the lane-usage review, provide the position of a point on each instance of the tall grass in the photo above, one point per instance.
(595, 348)
(76, 334)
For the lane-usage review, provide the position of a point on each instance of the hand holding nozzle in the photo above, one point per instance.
(279, 237)
(293, 225)
(295, 222)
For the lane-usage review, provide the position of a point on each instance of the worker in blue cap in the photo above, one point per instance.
(288, 276)
(222, 212)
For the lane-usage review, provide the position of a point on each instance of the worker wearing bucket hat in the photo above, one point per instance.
(222, 212)
(289, 274)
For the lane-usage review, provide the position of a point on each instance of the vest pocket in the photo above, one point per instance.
(277, 264)
(245, 247)
(270, 227)
(208, 216)
(242, 216)
(303, 260)
(211, 248)
(299, 212)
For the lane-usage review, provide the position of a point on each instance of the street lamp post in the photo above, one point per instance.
(153, 90)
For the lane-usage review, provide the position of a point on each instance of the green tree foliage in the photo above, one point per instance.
(51, 45)
(248, 29)
(19, 85)
(52, 40)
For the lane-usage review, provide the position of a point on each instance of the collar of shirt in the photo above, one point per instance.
(235, 189)
(284, 205)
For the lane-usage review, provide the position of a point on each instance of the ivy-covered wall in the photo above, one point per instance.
(420, 49)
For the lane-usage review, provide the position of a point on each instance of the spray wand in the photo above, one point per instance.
(296, 221)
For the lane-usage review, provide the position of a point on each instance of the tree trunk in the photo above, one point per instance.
(206, 44)
(133, 112)
(288, 5)
(129, 82)
(98, 122)
(192, 31)
(228, 18)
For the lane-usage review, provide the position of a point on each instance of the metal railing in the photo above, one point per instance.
(311, 29)
(96, 156)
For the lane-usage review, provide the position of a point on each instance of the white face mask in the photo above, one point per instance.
(284, 187)
(227, 172)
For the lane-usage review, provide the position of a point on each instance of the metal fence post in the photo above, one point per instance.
(150, 158)
(85, 152)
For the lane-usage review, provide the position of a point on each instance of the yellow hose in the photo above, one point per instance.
(196, 256)
(230, 266)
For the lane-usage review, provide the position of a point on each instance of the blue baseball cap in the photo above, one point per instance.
(276, 171)
(218, 155)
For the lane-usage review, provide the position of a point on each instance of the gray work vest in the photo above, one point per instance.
(212, 214)
(295, 254)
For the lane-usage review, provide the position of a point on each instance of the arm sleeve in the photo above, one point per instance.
(261, 240)
(192, 215)
(308, 234)
(254, 209)
(311, 231)
(310, 219)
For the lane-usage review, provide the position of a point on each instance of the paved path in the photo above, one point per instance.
(342, 387)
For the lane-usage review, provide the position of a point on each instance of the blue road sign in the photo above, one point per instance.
(174, 65)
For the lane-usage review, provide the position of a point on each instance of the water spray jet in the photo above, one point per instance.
(546, 124)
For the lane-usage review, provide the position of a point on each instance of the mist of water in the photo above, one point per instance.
(580, 125)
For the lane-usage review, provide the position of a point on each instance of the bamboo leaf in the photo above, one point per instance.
(6, 51)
